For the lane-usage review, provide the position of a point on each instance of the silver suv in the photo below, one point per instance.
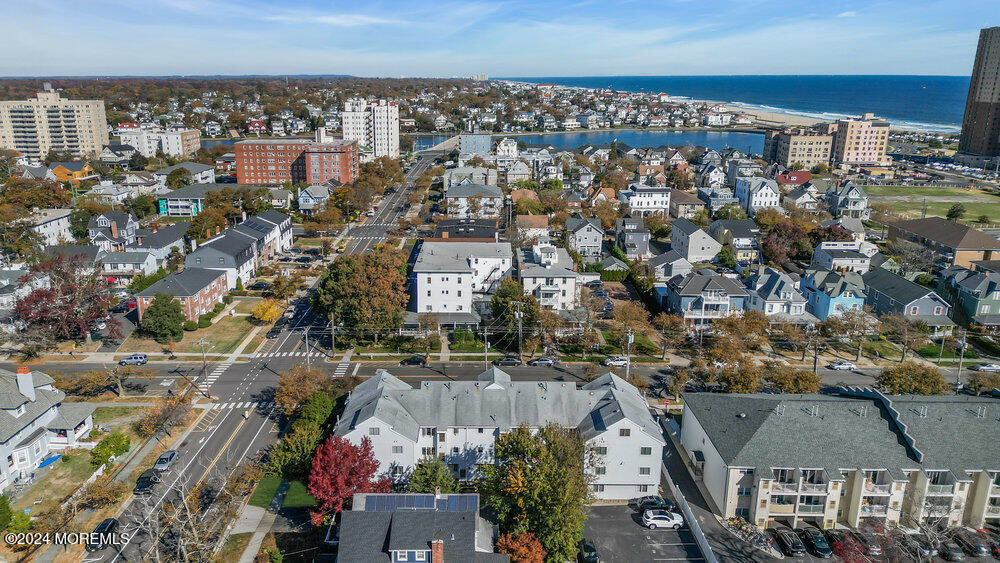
(133, 360)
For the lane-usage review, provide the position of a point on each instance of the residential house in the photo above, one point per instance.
(901, 460)
(703, 296)
(612, 264)
(160, 241)
(415, 527)
(469, 175)
(710, 176)
(230, 252)
(685, 204)
(847, 199)
(692, 243)
(668, 265)
(470, 230)
(117, 155)
(187, 201)
(756, 193)
(977, 294)
(456, 278)
(831, 294)
(517, 172)
(72, 172)
(312, 198)
(459, 421)
(532, 227)
(523, 194)
(122, 266)
(956, 244)
(632, 236)
(850, 224)
(742, 234)
(716, 197)
(889, 294)
(645, 201)
(112, 230)
(474, 200)
(52, 225)
(802, 198)
(226, 163)
(38, 424)
(142, 183)
(546, 272)
(843, 256)
(584, 235)
(14, 286)
(200, 173)
(109, 192)
(777, 295)
(197, 289)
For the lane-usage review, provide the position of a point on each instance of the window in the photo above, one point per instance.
(441, 436)
(643, 471)
(454, 450)
(480, 430)
(597, 488)
(601, 450)
(743, 491)
(420, 556)
(645, 451)
(625, 432)
(642, 488)
(397, 449)
(479, 450)
(427, 431)
(427, 451)
(374, 431)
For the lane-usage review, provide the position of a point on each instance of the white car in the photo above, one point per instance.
(849, 366)
(617, 361)
(987, 367)
(653, 519)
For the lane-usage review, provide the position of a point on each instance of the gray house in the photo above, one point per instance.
(160, 242)
(232, 252)
(584, 235)
(889, 294)
(668, 265)
(702, 297)
(694, 244)
(633, 237)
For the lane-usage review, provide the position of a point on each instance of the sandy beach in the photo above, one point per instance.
(774, 119)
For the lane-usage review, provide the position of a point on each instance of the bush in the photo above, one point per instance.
(190, 326)
(614, 275)
(219, 307)
(204, 323)
(5, 512)
(114, 444)
(227, 299)
(461, 335)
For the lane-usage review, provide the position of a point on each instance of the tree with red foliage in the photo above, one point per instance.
(76, 297)
(340, 469)
(849, 550)
(522, 548)
(833, 233)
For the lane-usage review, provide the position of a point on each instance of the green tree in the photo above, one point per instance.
(787, 379)
(911, 378)
(206, 224)
(508, 299)
(983, 382)
(178, 178)
(956, 212)
(431, 474)
(726, 257)
(731, 211)
(6, 514)
(141, 206)
(164, 319)
(538, 485)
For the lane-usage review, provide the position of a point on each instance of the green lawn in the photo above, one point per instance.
(915, 191)
(265, 491)
(931, 352)
(224, 335)
(107, 414)
(67, 474)
(973, 209)
(297, 497)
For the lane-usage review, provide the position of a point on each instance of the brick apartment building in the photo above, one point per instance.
(197, 289)
(276, 161)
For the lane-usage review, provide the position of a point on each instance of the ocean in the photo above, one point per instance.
(922, 103)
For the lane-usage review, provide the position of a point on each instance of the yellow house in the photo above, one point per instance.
(71, 172)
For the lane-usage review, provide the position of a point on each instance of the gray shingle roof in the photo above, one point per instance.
(454, 256)
(185, 284)
(899, 288)
(473, 190)
(194, 167)
(574, 224)
(697, 282)
(125, 257)
(146, 238)
(71, 414)
(195, 191)
(949, 233)
(370, 536)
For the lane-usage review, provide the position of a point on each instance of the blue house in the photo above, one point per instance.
(830, 294)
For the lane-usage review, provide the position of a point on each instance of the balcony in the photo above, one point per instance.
(719, 298)
(813, 487)
(784, 487)
(876, 489)
(992, 510)
(782, 509)
(995, 490)
(940, 489)
(874, 509)
(812, 509)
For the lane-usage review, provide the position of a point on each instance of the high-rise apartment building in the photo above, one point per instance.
(860, 141)
(276, 161)
(52, 122)
(981, 125)
(373, 125)
(807, 147)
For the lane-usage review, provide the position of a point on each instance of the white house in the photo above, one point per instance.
(546, 272)
(644, 201)
(52, 226)
(692, 243)
(474, 200)
(851, 256)
(459, 421)
(452, 276)
(777, 295)
(755, 193)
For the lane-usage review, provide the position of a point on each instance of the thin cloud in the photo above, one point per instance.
(338, 20)
(848, 14)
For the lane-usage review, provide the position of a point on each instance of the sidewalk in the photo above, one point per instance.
(264, 520)
(445, 350)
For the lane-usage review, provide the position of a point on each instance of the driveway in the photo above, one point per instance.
(617, 533)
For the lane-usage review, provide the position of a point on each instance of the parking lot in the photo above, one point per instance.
(617, 533)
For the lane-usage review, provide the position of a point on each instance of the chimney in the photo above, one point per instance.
(25, 383)
(114, 229)
(437, 551)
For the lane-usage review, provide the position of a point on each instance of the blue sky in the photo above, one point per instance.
(502, 38)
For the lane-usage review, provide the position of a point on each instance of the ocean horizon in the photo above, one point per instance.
(914, 102)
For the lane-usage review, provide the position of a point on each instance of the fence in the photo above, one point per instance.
(699, 535)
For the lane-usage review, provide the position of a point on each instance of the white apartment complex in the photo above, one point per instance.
(452, 276)
(374, 125)
(643, 201)
(860, 456)
(477, 201)
(755, 193)
(51, 122)
(172, 142)
(459, 421)
(546, 271)
(52, 226)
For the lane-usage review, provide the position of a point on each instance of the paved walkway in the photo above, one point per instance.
(265, 519)
(445, 350)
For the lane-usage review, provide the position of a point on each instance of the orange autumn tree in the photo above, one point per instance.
(522, 548)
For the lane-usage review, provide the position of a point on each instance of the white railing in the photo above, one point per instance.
(874, 509)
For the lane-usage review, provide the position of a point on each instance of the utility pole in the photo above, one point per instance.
(815, 355)
(961, 356)
(629, 337)
(308, 362)
(202, 343)
(520, 337)
(486, 346)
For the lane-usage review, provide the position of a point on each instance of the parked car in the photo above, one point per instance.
(507, 361)
(654, 502)
(971, 543)
(599, 293)
(849, 366)
(258, 286)
(165, 460)
(594, 283)
(341, 248)
(100, 325)
(101, 536)
(144, 485)
(542, 362)
(869, 543)
(950, 551)
(414, 361)
(133, 360)
(304, 259)
(295, 250)
(789, 543)
(911, 545)
(993, 540)
(588, 553)
(617, 361)
(987, 367)
(653, 519)
(815, 542)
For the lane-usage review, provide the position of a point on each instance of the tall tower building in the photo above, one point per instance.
(374, 125)
(981, 126)
(51, 122)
